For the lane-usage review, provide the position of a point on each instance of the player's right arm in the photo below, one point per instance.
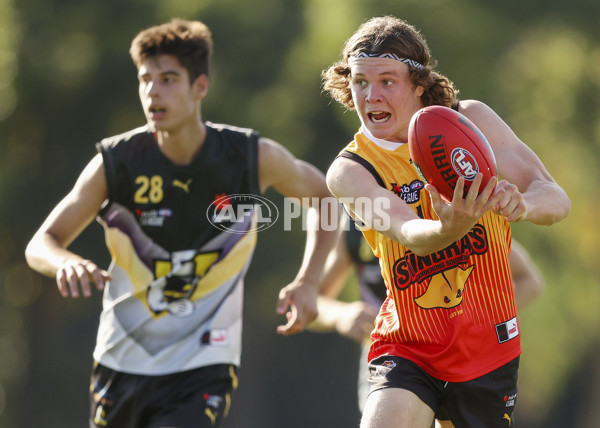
(47, 251)
(389, 215)
(530, 192)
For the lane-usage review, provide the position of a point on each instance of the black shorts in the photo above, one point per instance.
(197, 398)
(485, 402)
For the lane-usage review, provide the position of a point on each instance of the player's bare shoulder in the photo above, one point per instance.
(338, 174)
(276, 164)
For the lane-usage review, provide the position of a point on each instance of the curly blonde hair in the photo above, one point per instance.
(388, 34)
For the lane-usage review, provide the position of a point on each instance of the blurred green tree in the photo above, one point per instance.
(66, 81)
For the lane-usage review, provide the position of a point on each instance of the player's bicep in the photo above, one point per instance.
(290, 176)
(516, 162)
(79, 207)
(522, 167)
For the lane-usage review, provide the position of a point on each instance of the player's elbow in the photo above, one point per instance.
(565, 208)
(560, 209)
(32, 253)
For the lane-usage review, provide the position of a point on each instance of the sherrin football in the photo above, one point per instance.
(444, 144)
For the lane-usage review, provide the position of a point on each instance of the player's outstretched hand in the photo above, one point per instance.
(298, 301)
(74, 274)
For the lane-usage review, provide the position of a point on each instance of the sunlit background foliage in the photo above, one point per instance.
(66, 81)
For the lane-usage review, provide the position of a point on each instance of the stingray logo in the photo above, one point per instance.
(235, 213)
(464, 163)
(445, 290)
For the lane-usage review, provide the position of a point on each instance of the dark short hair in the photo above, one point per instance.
(190, 41)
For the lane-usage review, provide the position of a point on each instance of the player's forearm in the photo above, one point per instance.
(318, 245)
(424, 237)
(45, 255)
(329, 311)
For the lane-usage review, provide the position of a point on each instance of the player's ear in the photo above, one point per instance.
(200, 86)
(420, 90)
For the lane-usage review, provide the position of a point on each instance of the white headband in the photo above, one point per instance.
(407, 61)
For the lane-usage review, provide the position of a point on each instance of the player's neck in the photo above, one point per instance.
(182, 145)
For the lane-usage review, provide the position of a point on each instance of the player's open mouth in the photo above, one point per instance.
(379, 116)
(156, 113)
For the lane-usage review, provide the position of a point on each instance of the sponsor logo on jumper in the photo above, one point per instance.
(409, 193)
(381, 370)
(215, 337)
(508, 418)
(185, 186)
(389, 364)
(509, 400)
(154, 218)
(412, 269)
(218, 337)
(213, 400)
(507, 330)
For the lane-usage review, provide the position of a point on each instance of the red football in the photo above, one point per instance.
(444, 144)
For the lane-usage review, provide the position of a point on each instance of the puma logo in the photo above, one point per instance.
(185, 186)
(100, 415)
(509, 419)
(212, 416)
(445, 290)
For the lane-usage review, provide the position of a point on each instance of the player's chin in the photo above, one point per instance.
(381, 129)
(158, 125)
